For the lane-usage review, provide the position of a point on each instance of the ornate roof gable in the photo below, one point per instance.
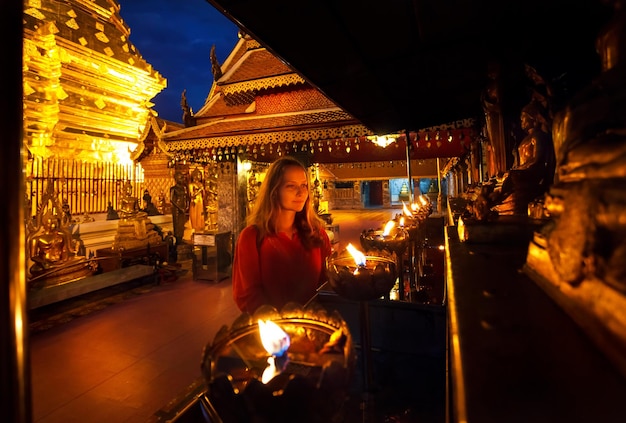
(248, 70)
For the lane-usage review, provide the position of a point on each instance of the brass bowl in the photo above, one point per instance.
(396, 242)
(313, 386)
(362, 283)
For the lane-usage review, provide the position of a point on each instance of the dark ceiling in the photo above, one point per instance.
(411, 64)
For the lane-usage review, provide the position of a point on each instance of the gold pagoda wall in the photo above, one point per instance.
(86, 100)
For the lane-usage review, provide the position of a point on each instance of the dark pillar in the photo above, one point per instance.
(15, 356)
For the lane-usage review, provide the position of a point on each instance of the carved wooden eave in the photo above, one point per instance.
(294, 127)
(244, 89)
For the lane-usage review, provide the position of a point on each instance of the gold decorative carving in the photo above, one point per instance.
(264, 83)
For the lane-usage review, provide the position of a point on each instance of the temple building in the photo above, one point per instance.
(259, 109)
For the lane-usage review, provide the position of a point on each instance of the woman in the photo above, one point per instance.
(281, 255)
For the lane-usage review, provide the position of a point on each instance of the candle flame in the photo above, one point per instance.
(359, 257)
(406, 210)
(402, 221)
(388, 227)
(423, 199)
(275, 340)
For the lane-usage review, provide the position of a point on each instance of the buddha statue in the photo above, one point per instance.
(148, 206)
(130, 204)
(532, 174)
(50, 246)
(587, 205)
(56, 254)
(134, 230)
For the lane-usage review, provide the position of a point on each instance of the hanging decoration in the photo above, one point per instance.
(426, 144)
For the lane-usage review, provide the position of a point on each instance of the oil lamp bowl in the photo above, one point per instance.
(396, 241)
(413, 230)
(362, 283)
(313, 386)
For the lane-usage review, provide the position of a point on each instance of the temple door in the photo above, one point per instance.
(376, 193)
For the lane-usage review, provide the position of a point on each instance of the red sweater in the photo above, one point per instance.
(280, 271)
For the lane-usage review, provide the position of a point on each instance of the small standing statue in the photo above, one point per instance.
(66, 216)
(253, 190)
(161, 203)
(196, 204)
(317, 195)
(179, 197)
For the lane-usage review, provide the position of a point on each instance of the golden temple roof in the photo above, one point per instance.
(87, 89)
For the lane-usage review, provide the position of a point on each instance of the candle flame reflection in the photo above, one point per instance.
(276, 342)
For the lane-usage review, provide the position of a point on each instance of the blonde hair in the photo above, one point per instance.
(308, 224)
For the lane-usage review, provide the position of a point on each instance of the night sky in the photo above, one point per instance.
(176, 37)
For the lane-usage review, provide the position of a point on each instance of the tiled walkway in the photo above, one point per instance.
(126, 358)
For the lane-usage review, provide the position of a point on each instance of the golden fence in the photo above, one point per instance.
(86, 187)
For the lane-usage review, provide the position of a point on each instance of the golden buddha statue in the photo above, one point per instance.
(50, 246)
(134, 229)
(56, 256)
(130, 204)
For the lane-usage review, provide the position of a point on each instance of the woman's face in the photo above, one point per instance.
(294, 189)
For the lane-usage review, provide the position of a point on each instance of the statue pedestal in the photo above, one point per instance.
(42, 297)
(507, 229)
(212, 256)
(112, 259)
